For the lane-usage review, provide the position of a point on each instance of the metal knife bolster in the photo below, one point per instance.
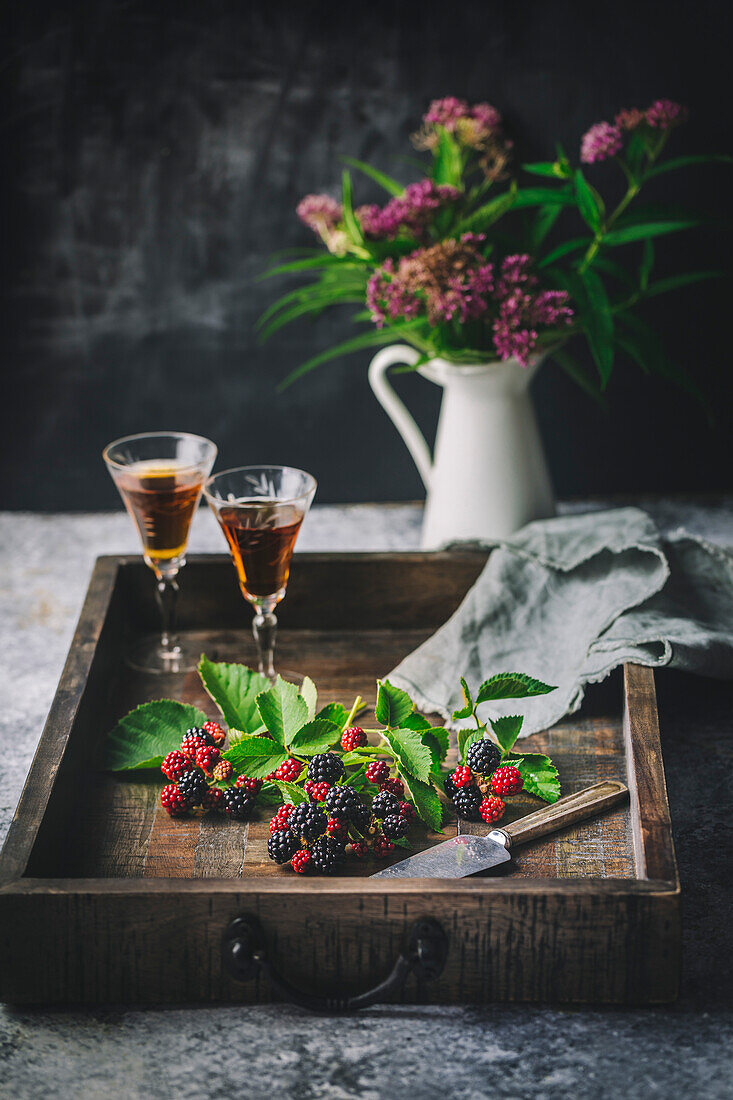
(500, 837)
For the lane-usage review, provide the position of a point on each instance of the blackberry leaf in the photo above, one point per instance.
(283, 711)
(538, 773)
(234, 689)
(393, 705)
(410, 752)
(144, 736)
(506, 730)
(511, 685)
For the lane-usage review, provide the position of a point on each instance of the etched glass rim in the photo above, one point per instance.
(209, 446)
(216, 501)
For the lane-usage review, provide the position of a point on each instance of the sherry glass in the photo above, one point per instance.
(260, 510)
(160, 477)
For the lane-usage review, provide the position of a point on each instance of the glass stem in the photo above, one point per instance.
(264, 628)
(166, 593)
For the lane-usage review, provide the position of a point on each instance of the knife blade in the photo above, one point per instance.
(466, 854)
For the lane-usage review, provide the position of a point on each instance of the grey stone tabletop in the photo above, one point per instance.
(500, 1051)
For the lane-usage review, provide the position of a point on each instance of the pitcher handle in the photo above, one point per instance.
(395, 407)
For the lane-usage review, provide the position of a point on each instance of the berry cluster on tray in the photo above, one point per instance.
(340, 791)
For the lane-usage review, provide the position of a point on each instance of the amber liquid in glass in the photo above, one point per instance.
(261, 537)
(161, 497)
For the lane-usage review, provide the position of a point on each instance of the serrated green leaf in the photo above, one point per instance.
(506, 731)
(234, 689)
(416, 721)
(538, 773)
(390, 185)
(316, 736)
(255, 756)
(467, 709)
(393, 704)
(409, 751)
(269, 795)
(511, 685)
(283, 710)
(334, 712)
(291, 792)
(589, 202)
(427, 803)
(357, 779)
(438, 741)
(309, 691)
(466, 738)
(148, 733)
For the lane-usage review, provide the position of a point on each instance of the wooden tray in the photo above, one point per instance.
(104, 898)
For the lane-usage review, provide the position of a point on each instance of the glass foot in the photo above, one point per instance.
(148, 655)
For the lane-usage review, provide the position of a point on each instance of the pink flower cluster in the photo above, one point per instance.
(605, 139)
(477, 126)
(521, 311)
(409, 213)
(319, 212)
(452, 281)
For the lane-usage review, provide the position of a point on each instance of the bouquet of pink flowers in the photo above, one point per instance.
(470, 265)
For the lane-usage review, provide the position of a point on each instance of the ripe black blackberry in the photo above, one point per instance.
(282, 845)
(308, 820)
(360, 815)
(193, 786)
(385, 804)
(394, 826)
(341, 801)
(326, 854)
(483, 757)
(200, 732)
(325, 767)
(238, 803)
(467, 802)
(449, 786)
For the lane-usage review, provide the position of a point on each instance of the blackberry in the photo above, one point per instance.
(316, 791)
(238, 803)
(202, 733)
(173, 801)
(337, 828)
(301, 861)
(174, 765)
(289, 770)
(394, 826)
(282, 817)
(506, 781)
(223, 771)
(308, 820)
(462, 776)
(382, 847)
(282, 845)
(492, 809)
(213, 799)
(326, 854)
(325, 767)
(207, 757)
(407, 810)
(193, 786)
(215, 732)
(483, 757)
(340, 801)
(394, 785)
(385, 804)
(190, 745)
(449, 786)
(378, 771)
(252, 786)
(359, 849)
(467, 802)
(360, 816)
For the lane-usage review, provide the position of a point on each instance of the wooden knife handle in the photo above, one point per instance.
(566, 811)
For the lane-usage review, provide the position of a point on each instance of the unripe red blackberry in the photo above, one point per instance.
(384, 804)
(289, 770)
(394, 827)
(483, 757)
(215, 732)
(301, 861)
(382, 847)
(394, 785)
(462, 776)
(213, 799)
(353, 738)
(191, 743)
(174, 765)
(173, 801)
(336, 828)
(282, 845)
(360, 849)
(207, 758)
(506, 781)
(247, 783)
(193, 786)
(492, 809)
(280, 820)
(318, 791)
(377, 772)
(223, 771)
(407, 810)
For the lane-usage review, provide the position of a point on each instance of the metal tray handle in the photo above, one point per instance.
(244, 956)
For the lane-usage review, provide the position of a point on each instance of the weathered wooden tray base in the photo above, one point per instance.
(120, 894)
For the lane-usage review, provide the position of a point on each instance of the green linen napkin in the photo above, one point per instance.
(567, 600)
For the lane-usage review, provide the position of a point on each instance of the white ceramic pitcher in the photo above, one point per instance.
(489, 476)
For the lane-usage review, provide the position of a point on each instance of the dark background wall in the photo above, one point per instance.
(154, 153)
